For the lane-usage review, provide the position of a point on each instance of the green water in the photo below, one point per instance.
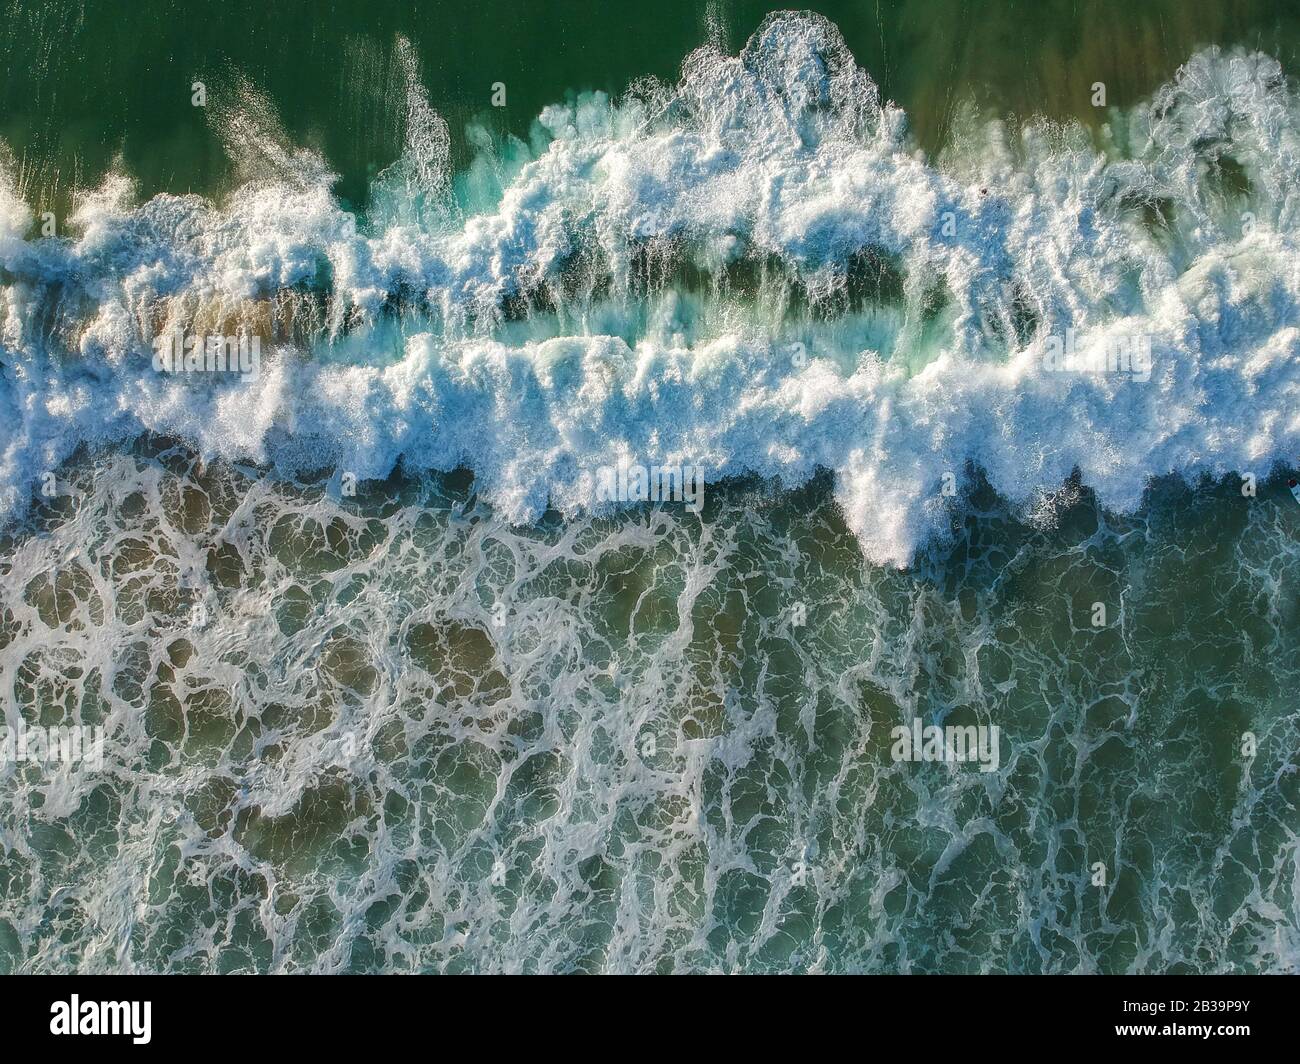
(584, 790)
(86, 83)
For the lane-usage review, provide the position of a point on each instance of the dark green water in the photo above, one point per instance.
(85, 83)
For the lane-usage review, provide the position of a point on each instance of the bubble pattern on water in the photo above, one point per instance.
(395, 732)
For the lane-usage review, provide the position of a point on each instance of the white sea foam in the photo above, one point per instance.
(783, 155)
(326, 732)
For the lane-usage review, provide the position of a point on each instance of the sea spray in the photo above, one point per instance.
(1049, 239)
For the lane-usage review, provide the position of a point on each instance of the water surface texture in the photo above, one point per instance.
(388, 683)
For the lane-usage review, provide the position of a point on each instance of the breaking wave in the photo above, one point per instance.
(415, 723)
(752, 270)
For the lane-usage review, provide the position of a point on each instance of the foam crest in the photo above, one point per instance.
(641, 281)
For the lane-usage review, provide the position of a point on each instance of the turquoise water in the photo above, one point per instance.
(389, 684)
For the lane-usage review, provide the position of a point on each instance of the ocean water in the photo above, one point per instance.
(389, 683)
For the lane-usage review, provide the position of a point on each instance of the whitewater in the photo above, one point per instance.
(753, 270)
(367, 704)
